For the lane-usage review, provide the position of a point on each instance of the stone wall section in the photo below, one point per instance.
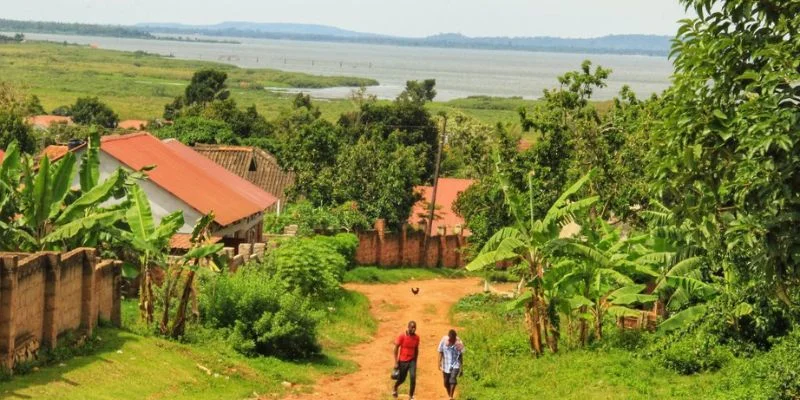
(46, 294)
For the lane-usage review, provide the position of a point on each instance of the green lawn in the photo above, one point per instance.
(133, 366)
(498, 366)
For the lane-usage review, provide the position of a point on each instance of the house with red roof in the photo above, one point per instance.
(43, 122)
(133, 124)
(187, 181)
(445, 219)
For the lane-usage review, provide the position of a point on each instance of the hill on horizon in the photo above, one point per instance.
(615, 44)
(650, 45)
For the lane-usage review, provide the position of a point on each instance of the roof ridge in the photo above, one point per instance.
(113, 138)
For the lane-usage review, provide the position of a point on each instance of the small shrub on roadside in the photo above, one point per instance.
(309, 265)
(257, 314)
(345, 244)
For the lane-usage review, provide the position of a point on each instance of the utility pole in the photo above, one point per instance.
(429, 226)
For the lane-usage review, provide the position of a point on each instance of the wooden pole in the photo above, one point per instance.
(432, 209)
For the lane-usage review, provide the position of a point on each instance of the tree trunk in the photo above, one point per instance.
(180, 317)
(532, 320)
(142, 297)
(598, 325)
(584, 329)
(164, 327)
(551, 333)
(150, 305)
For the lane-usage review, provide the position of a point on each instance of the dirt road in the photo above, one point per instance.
(393, 306)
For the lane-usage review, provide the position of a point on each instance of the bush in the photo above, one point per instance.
(310, 219)
(310, 265)
(92, 111)
(259, 315)
(771, 375)
(345, 244)
(192, 130)
(693, 353)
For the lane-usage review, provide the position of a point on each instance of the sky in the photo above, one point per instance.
(411, 18)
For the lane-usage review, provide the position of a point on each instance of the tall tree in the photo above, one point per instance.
(207, 85)
(92, 111)
(727, 159)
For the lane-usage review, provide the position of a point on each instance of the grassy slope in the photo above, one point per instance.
(137, 86)
(154, 368)
(499, 366)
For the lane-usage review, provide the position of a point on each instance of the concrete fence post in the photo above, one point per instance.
(8, 305)
(52, 293)
(403, 242)
(380, 228)
(88, 291)
(441, 258)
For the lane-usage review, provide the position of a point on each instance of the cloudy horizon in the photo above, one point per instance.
(410, 18)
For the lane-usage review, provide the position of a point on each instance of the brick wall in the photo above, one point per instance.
(45, 294)
(409, 248)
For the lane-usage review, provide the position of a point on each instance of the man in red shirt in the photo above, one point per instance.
(406, 350)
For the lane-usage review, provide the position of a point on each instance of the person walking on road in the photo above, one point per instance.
(406, 351)
(451, 361)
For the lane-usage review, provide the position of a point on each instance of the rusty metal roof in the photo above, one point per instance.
(446, 195)
(135, 124)
(251, 163)
(192, 178)
(183, 241)
(54, 151)
(44, 121)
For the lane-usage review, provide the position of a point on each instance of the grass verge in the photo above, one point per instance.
(132, 364)
(498, 365)
(396, 275)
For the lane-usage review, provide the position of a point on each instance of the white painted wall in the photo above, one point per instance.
(162, 202)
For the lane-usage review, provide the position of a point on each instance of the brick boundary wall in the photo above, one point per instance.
(45, 294)
(406, 248)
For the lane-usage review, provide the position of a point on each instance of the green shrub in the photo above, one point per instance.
(309, 265)
(345, 244)
(693, 353)
(770, 375)
(310, 219)
(626, 339)
(258, 314)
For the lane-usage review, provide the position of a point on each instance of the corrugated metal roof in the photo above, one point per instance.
(54, 152)
(446, 195)
(251, 163)
(194, 179)
(137, 124)
(44, 121)
(183, 241)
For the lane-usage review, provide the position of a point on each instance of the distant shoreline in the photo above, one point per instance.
(643, 45)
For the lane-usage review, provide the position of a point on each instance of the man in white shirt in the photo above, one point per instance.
(451, 359)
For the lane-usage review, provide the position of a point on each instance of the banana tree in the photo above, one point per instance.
(534, 244)
(150, 242)
(598, 276)
(40, 211)
(677, 268)
(202, 253)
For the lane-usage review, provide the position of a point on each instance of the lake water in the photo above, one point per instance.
(458, 72)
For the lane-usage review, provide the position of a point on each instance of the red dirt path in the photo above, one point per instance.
(393, 306)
